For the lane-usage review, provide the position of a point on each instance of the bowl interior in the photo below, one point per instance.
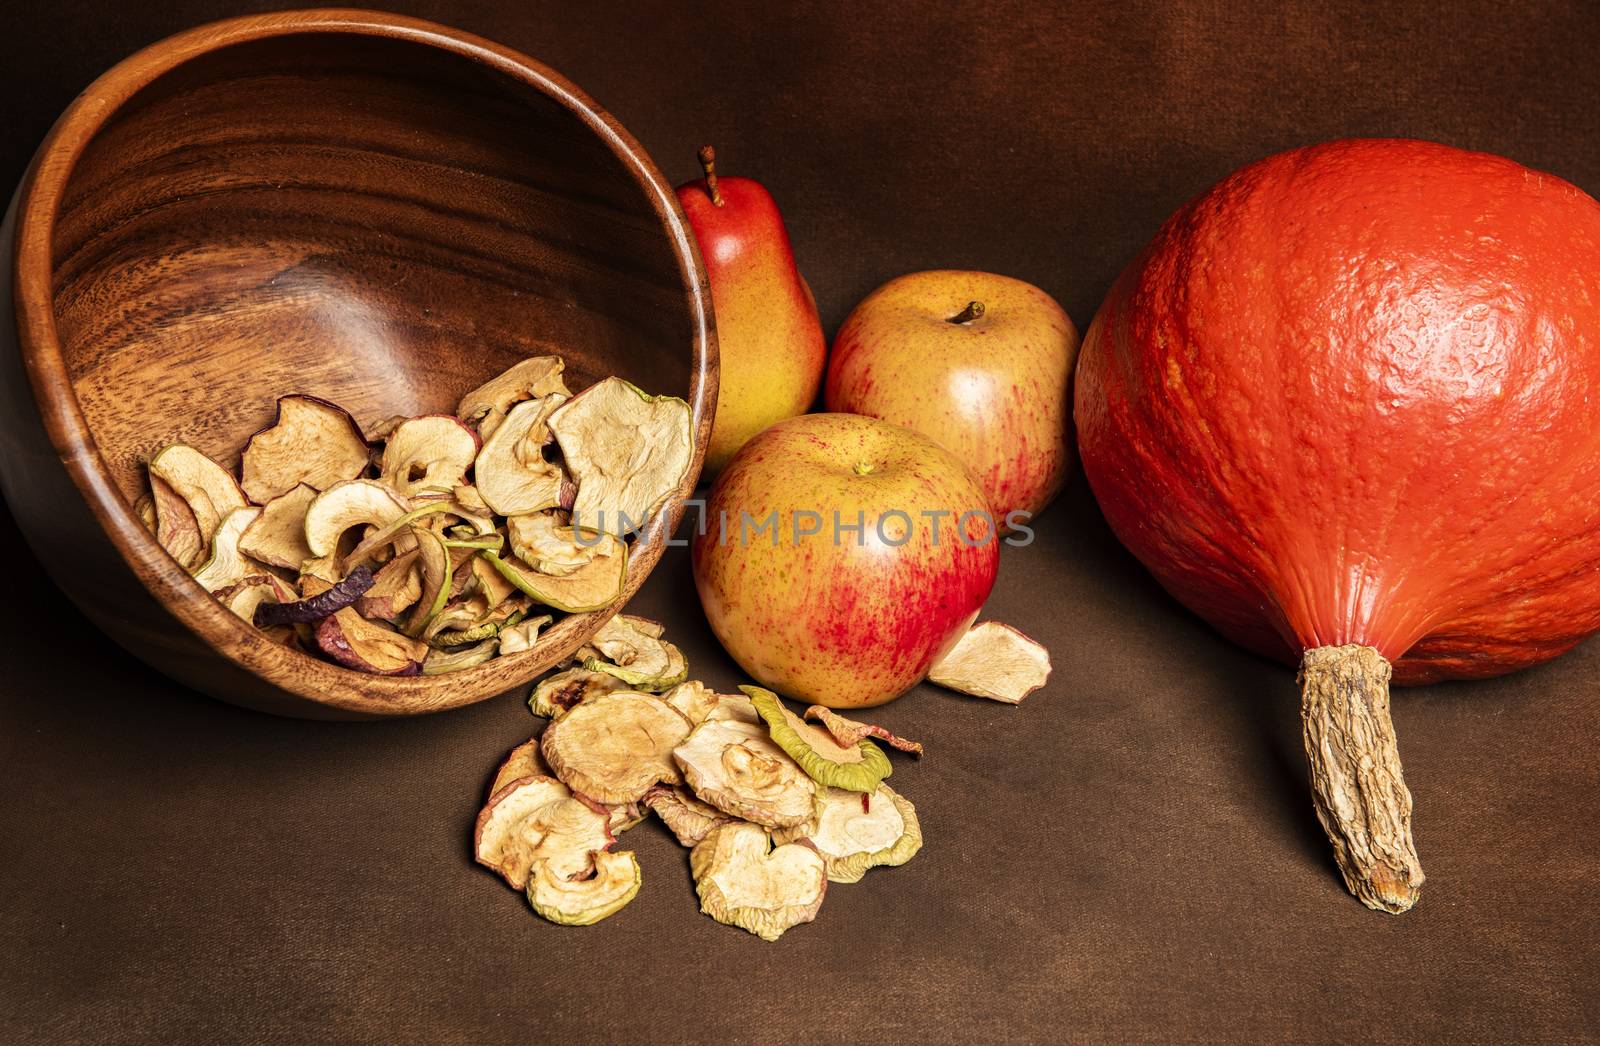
(374, 221)
(371, 210)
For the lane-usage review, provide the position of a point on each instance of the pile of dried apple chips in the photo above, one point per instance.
(772, 805)
(436, 542)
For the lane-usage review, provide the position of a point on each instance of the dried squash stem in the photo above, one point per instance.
(1361, 798)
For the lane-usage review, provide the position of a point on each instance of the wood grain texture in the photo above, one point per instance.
(366, 208)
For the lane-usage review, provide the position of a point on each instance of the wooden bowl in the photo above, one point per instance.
(372, 209)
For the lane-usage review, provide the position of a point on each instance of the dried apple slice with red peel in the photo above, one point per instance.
(312, 441)
(744, 881)
(614, 747)
(537, 820)
(522, 761)
(737, 768)
(207, 488)
(367, 646)
(176, 528)
(533, 378)
(396, 587)
(431, 452)
(850, 732)
(855, 832)
(278, 535)
(510, 472)
(627, 451)
(619, 816)
(352, 503)
(994, 661)
(688, 818)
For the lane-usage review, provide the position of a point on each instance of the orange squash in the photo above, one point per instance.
(1346, 407)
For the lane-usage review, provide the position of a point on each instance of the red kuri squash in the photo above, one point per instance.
(1346, 408)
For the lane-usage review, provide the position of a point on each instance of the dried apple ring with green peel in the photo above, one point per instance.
(857, 768)
(585, 900)
(855, 831)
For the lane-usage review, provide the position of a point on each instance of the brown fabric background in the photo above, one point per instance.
(1130, 856)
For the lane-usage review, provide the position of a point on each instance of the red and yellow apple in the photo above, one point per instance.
(840, 556)
(981, 363)
(771, 342)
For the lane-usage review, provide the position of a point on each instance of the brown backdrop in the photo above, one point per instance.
(1129, 856)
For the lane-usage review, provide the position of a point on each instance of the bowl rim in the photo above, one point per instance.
(312, 679)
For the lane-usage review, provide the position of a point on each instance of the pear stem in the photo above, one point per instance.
(973, 311)
(708, 163)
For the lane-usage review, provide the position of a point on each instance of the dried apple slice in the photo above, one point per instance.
(686, 817)
(536, 820)
(522, 761)
(206, 487)
(397, 531)
(585, 900)
(253, 591)
(744, 881)
(595, 587)
(312, 442)
(994, 661)
(227, 565)
(514, 639)
(352, 503)
(613, 747)
(551, 546)
(278, 535)
(627, 451)
(533, 378)
(735, 767)
(854, 832)
(176, 528)
(636, 656)
(849, 732)
(619, 816)
(431, 452)
(511, 474)
(433, 562)
(492, 584)
(396, 587)
(367, 646)
(555, 695)
(457, 658)
(857, 768)
(315, 607)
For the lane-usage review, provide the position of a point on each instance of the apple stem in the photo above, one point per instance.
(973, 311)
(708, 163)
